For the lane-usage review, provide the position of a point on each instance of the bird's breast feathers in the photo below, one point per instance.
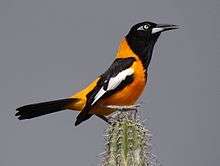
(132, 91)
(121, 84)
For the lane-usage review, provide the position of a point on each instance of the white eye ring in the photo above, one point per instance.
(143, 28)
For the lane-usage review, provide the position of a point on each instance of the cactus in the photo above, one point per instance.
(127, 142)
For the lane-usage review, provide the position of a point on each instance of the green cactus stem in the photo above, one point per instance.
(127, 142)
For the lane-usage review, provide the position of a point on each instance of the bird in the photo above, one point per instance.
(121, 84)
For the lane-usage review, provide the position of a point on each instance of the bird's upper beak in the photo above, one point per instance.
(163, 27)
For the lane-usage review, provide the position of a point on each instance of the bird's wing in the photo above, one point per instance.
(118, 75)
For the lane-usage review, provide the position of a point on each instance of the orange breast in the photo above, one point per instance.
(130, 93)
(127, 96)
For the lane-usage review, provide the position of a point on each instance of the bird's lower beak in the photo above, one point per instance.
(163, 27)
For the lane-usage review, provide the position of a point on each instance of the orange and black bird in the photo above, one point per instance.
(121, 85)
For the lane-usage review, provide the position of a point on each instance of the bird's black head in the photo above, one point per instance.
(148, 30)
(143, 36)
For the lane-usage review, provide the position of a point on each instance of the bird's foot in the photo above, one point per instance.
(124, 108)
(121, 109)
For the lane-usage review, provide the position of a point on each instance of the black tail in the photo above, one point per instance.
(39, 109)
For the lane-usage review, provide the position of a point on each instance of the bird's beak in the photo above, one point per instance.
(163, 27)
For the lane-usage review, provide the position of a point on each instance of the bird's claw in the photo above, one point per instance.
(124, 108)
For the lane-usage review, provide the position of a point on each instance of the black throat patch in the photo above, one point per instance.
(142, 47)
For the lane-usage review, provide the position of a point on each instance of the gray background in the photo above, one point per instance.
(52, 48)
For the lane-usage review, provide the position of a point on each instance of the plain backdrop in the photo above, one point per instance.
(50, 49)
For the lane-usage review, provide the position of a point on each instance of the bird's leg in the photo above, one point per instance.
(124, 108)
(103, 118)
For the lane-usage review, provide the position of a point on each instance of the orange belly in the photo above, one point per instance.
(127, 96)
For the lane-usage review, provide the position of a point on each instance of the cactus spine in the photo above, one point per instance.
(127, 142)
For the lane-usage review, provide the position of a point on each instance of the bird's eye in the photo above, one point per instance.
(143, 28)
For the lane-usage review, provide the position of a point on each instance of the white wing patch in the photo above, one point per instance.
(113, 83)
(98, 95)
